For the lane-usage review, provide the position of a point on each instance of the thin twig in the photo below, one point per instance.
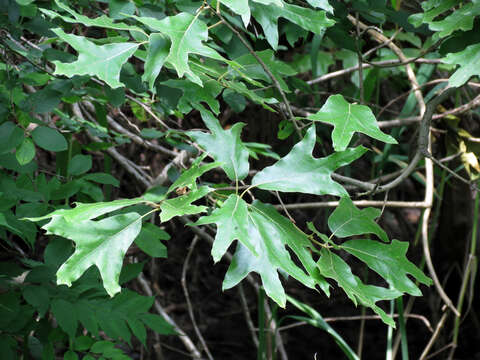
(187, 298)
(246, 312)
(187, 342)
(264, 66)
(434, 336)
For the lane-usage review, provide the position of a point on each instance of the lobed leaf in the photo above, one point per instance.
(347, 119)
(103, 61)
(101, 243)
(315, 21)
(182, 205)
(334, 267)
(225, 146)
(347, 220)
(187, 35)
(390, 262)
(299, 171)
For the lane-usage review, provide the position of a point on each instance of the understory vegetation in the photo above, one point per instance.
(239, 179)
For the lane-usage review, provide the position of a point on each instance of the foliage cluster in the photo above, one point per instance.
(81, 80)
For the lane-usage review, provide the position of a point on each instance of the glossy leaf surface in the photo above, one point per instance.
(334, 267)
(390, 262)
(347, 220)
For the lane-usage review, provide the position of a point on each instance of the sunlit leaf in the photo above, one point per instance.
(187, 35)
(299, 171)
(224, 146)
(101, 243)
(182, 205)
(103, 61)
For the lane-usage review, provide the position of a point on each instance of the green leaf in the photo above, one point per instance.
(315, 319)
(239, 7)
(11, 136)
(250, 66)
(25, 152)
(322, 4)
(347, 220)
(157, 324)
(149, 240)
(79, 164)
(271, 233)
(182, 205)
(49, 139)
(224, 146)
(188, 177)
(268, 2)
(101, 21)
(103, 61)
(390, 262)
(468, 60)
(333, 267)
(66, 318)
(187, 35)
(461, 18)
(299, 171)
(89, 211)
(347, 119)
(38, 297)
(102, 178)
(315, 21)
(194, 95)
(157, 53)
(101, 243)
(232, 224)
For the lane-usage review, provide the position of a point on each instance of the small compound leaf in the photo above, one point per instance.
(103, 61)
(347, 119)
(334, 267)
(299, 171)
(149, 241)
(182, 205)
(66, 318)
(232, 224)
(101, 243)
(25, 152)
(49, 139)
(347, 220)
(390, 262)
(224, 146)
